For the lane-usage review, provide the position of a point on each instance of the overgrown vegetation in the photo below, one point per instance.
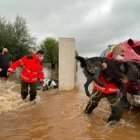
(50, 46)
(16, 37)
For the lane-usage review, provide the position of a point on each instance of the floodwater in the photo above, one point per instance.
(59, 116)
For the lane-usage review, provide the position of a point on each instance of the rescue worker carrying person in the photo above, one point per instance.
(109, 92)
(32, 70)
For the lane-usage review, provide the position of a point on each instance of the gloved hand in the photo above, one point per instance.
(41, 82)
(8, 74)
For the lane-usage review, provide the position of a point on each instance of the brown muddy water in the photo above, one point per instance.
(59, 116)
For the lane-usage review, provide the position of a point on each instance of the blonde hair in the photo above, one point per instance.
(116, 49)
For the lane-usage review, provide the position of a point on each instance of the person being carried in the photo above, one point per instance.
(32, 70)
(4, 64)
(109, 92)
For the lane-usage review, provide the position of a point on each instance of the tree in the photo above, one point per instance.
(50, 46)
(16, 37)
(22, 38)
(6, 33)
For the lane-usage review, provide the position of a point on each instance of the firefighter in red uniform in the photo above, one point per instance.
(32, 70)
(109, 92)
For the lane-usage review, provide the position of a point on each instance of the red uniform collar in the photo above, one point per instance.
(110, 56)
(36, 58)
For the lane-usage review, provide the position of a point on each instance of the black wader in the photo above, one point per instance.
(117, 108)
(24, 90)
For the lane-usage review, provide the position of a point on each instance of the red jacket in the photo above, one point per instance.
(109, 56)
(31, 68)
(109, 88)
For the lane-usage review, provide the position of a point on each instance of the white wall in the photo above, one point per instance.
(66, 63)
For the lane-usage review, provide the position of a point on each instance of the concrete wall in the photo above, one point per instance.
(66, 63)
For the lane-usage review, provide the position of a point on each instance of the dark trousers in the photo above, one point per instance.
(24, 90)
(117, 106)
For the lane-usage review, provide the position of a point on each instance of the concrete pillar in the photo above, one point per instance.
(66, 63)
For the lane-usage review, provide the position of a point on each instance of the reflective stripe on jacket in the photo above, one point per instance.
(31, 68)
(108, 89)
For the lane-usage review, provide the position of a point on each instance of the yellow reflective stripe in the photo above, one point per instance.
(34, 79)
(29, 71)
(24, 77)
(34, 72)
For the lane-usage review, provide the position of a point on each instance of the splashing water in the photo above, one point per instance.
(11, 100)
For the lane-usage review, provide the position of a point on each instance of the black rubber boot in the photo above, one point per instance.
(32, 96)
(24, 94)
(90, 107)
(116, 113)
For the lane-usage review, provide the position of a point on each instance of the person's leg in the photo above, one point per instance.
(4, 79)
(96, 96)
(3, 75)
(117, 108)
(125, 102)
(24, 90)
(33, 91)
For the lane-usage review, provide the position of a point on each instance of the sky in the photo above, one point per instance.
(94, 24)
